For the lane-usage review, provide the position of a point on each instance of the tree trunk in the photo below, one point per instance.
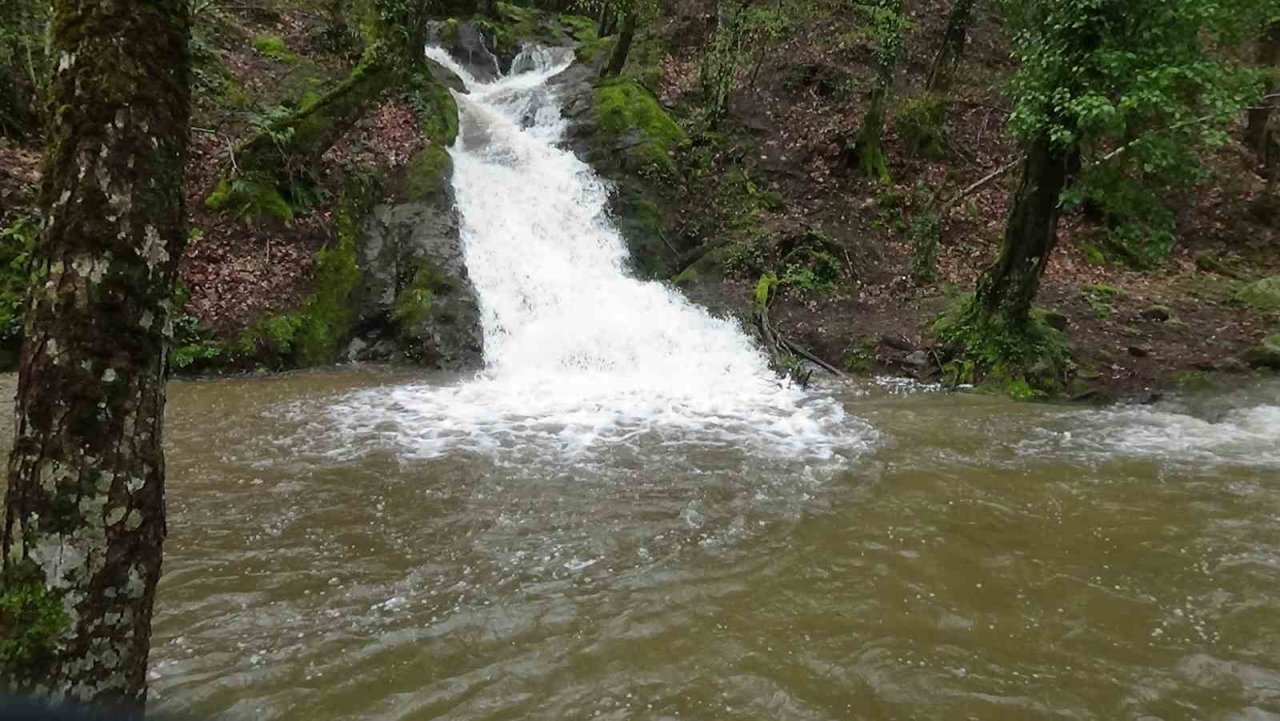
(84, 512)
(1009, 286)
(1257, 135)
(607, 20)
(953, 41)
(618, 59)
(868, 145)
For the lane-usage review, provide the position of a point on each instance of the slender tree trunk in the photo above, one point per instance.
(84, 512)
(607, 20)
(953, 42)
(868, 145)
(618, 59)
(1257, 134)
(1009, 286)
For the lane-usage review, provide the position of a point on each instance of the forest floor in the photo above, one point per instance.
(1133, 333)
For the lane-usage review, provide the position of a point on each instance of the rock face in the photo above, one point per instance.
(467, 46)
(416, 300)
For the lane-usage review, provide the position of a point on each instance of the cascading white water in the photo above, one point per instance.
(578, 352)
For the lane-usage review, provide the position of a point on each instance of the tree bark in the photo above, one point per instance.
(1009, 286)
(84, 511)
(868, 145)
(1257, 133)
(618, 59)
(953, 42)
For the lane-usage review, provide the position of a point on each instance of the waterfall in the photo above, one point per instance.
(577, 351)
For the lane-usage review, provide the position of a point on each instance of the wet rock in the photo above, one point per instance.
(918, 359)
(466, 45)
(1266, 355)
(1231, 365)
(416, 300)
(896, 341)
(1157, 313)
(1055, 320)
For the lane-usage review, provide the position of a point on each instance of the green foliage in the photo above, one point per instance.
(16, 242)
(435, 107)
(1024, 360)
(24, 65)
(1261, 294)
(745, 35)
(273, 46)
(809, 265)
(922, 125)
(925, 234)
(194, 347)
(1138, 87)
(31, 621)
(623, 108)
(1101, 299)
(764, 290)
(250, 197)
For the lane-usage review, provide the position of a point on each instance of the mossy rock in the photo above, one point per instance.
(1266, 355)
(633, 123)
(428, 174)
(1261, 295)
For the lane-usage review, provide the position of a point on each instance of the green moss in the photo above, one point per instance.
(312, 334)
(415, 303)
(250, 197)
(436, 109)
(1022, 360)
(685, 278)
(273, 46)
(1101, 299)
(922, 125)
(1261, 294)
(625, 109)
(31, 621)
(427, 174)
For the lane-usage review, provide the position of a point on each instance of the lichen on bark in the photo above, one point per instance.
(84, 511)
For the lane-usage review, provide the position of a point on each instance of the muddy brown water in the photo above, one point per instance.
(980, 559)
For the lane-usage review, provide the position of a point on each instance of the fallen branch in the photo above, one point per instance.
(812, 358)
(950, 205)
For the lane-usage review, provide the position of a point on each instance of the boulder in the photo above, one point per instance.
(467, 46)
(415, 300)
(1266, 355)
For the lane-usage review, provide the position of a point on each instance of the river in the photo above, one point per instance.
(627, 516)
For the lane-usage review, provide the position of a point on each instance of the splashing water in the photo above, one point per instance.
(577, 352)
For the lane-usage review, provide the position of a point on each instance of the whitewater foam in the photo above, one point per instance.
(578, 353)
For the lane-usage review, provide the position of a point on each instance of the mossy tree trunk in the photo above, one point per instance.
(1007, 289)
(1258, 135)
(292, 144)
(953, 42)
(618, 58)
(84, 512)
(866, 152)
